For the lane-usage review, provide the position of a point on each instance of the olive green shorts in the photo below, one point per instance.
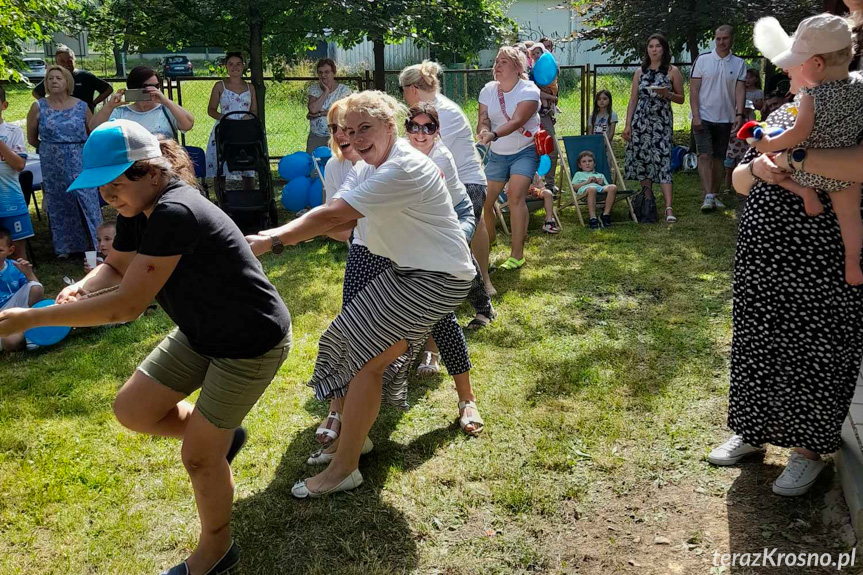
(229, 387)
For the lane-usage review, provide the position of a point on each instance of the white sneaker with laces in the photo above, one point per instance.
(799, 476)
(732, 451)
(709, 203)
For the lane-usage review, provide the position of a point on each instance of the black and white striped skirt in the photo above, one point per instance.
(398, 304)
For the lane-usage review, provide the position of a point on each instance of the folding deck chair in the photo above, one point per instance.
(501, 206)
(606, 163)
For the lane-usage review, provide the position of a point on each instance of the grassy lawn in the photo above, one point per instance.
(603, 385)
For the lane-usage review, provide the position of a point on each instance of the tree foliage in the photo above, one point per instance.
(622, 26)
(22, 20)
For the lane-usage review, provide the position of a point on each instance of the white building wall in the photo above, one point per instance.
(396, 56)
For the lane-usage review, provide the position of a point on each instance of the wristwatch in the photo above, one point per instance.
(494, 136)
(278, 247)
(797, 157)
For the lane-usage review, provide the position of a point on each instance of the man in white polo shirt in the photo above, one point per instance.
(717, 92)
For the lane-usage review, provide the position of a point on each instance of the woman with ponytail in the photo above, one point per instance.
(173, 245)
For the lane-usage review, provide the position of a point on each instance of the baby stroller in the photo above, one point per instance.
(241, 146)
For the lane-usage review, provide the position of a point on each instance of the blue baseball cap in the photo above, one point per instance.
(111, 149)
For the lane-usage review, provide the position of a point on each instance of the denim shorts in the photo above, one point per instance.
(501, 167)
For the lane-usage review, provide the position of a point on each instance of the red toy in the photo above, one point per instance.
(753, 131)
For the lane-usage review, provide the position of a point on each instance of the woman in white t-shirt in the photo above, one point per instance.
(410, 221)
(159, 115)
(447, 339)
(419, 83)
(508, 120)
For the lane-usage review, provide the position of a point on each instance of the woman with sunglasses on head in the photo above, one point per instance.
(159, 115)
(447, 339)
(419, 83)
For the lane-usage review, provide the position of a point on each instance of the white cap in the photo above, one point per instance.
(821, 34)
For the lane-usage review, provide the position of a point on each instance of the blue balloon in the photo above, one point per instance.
(295, 194)
(545, 70)
(544, 165)
(297, 165)
(322, 152)
(48, 335)
(316, 193)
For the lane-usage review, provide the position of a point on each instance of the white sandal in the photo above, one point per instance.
(430, 365)
(670, 218)
(319, 457)
(464, 420)
(324, 429)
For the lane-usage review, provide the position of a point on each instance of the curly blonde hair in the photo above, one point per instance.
(424, 76)
(376, 104)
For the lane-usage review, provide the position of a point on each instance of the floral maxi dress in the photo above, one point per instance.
(73, 216)
(648, 154)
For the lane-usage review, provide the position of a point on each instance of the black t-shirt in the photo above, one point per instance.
(218, 295)
(87, 87)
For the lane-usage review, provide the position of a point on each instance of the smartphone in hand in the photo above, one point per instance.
(137, 95)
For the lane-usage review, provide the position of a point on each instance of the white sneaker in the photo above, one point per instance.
(799, 476)
(709, 203)
(732, 451)
(717, 203)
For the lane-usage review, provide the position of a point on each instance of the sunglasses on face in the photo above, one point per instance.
(414, 128)
(157, 86)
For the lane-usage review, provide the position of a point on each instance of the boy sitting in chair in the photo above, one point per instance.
(588, 182)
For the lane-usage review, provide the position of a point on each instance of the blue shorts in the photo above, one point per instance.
(501, 167)
(20, 226)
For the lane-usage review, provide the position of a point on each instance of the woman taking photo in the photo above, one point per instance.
(159, 115)
(57, 127)
(170, 237)
(231, 95)
(508, 119)
(419, 83)
(649, 121)
(401, 197)
(321, 96)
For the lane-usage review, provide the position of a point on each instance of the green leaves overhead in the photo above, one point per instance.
(22, 20)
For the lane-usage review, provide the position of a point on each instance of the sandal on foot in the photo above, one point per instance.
(464, 420)
(430, 365)
(478, 322)
(228, 561)
(325, 433)
(669, 217)
(352, 481)
(319, 457)
(512, 264)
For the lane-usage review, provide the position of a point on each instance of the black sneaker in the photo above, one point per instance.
(594, 224)
(237, 443)
(606, 220)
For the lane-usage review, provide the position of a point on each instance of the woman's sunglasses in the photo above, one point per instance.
(414, 128)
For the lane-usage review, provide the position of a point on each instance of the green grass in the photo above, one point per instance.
(606, 342)
(287, 126)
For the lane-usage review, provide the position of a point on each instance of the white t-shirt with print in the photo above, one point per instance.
(602, 123)
(11, 197)
(410, 214)
(524, 91)
(457, 136)
(335, 173)
(719, 77)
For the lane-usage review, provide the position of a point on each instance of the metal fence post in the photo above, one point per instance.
(180, 103)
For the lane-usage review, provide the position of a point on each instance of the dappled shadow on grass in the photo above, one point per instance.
(356, 532)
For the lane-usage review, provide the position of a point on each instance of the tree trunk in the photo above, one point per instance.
(256, 58)
(692, 46)
(119, 62)
(380, 76)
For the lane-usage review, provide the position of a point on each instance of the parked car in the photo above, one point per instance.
(176, 66)
(34, 69)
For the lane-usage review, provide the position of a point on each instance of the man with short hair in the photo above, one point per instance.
(86, 84)
(717, 94)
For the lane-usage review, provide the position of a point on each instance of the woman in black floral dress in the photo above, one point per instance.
(797, 336)
(649, 122)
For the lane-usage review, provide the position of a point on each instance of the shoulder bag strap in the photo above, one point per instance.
(500, 98)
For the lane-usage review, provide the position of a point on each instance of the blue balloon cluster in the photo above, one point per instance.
(545, 70)
(304, 189)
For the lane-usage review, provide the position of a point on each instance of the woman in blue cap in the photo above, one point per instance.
(170, 241)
